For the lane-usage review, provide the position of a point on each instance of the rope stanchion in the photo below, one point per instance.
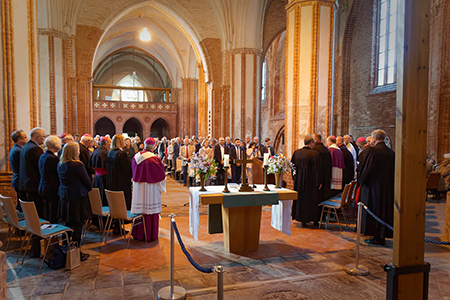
(433, 242)
(172, 292)
(358, 270)
(188, 255)
(176, 292)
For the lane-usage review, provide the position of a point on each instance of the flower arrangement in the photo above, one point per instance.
(279, 164)
(203, 165)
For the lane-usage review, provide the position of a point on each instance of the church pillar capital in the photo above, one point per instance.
(309, 65)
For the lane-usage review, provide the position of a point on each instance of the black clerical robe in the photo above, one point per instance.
(98, 162)
(306, 183)
(325, 167)
(376, 178)
(119, 173)
(349, 171)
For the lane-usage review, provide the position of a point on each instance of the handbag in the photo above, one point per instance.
(73, 257)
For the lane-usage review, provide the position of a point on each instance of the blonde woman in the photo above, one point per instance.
(206, 150)
(118, 169)
(251, 154)
(74, 207)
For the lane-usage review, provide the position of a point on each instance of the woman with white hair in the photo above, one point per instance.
(49, 183)
(74, 207)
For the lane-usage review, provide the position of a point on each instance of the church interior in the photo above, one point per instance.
(278, 69)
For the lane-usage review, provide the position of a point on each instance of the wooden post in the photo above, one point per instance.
(411, 143)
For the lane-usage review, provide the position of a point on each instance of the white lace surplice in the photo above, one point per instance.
(147, 197)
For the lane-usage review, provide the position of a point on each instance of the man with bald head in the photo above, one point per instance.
(98, 162)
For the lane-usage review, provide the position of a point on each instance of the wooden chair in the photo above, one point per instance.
(15, 222)
(118, 210)
(433, 185)
(350, 197)
(333, 205)
(98, 210)
(178, 169)
(33, 225)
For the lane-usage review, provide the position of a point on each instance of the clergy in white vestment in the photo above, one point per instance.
(338, 165)
(149, 181)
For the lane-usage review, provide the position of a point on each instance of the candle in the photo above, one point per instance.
(226, 160)
(266, 159)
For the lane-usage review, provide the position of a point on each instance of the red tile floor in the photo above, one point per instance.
(310, 264)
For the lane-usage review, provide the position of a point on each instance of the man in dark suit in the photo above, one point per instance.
(268, 148)
(236, 153)
(376, 176)
(325, 167)
(20, 139)
(29, 177)
(176, 151)
(349, 171)
(65, 138)
(85, 156)
(219, 151)
(49, 184)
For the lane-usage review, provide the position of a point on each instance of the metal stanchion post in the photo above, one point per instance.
(219, 270)
(172, 292)
(358, 270)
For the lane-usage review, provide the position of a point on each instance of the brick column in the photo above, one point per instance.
(202, 102)
(3, 270)
(309, 64)
(189, 108)
(245, 92)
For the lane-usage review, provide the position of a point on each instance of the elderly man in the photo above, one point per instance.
(65, 138)
(98, 162)
(349, 170)
(338, 165)
(86, 142)
(248, 140)
(376, 175)
(219, 151)
(186, 153)
(325, 166)
(29, 177)
(307, 183)
(149, 181)
(49, 184)
(20, 139)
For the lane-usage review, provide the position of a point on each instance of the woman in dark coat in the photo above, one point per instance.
(74, 207)
(118, 169)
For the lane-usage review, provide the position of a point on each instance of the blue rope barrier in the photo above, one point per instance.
(441, 243)
(188, 255)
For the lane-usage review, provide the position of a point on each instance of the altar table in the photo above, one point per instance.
(238, 215)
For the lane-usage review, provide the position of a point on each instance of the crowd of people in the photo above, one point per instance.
(321, 172)
(57, 174)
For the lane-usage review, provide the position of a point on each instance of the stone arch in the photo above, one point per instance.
(133, 127)
(160, 128)
(104, 126)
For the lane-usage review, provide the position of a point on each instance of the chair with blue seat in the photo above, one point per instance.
(334, 205)
(118, 211)
(33, 226)
(16, 222)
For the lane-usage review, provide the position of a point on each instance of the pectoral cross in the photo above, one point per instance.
(244, 186)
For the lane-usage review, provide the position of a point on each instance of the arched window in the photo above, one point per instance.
(129, 95)
(264, 81)
(387, 42)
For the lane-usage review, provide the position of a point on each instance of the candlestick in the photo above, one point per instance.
(226, 160)
(266, 159)
(226, 190)
(266, 188)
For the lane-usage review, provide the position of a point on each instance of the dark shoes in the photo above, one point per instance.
(84, 256)
(375, 241)
(304, 225)
(316, 224)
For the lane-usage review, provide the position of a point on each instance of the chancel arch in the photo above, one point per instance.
(160, 128)
(104, 126)
(133, 127)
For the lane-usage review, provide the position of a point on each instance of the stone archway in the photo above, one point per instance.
(133, 127)
(279, 141)
(160, 128)
(104, 126)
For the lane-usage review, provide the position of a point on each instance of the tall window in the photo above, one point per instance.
(264, 81)
(387, 42)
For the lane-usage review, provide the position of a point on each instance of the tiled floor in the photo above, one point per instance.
(310, 264)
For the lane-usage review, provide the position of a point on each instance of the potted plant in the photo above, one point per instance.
(204, 167)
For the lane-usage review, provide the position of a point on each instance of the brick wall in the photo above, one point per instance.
(274, 21)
